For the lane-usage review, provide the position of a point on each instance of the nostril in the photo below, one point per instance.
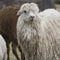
(32, 16)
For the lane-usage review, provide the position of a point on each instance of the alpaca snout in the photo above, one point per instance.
(31, 18)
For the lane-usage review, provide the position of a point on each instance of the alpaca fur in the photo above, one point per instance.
(26, 33)
(39, 39)
(3, 48)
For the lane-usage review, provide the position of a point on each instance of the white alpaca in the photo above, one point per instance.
(3, 49)
(49, 34)
(26, 12)
(38, 35)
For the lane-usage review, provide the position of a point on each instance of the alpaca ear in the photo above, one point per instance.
(18, 13)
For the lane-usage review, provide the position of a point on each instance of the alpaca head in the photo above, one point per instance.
(28, 11)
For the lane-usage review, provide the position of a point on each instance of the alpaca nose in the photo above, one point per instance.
(31, 18)
(31, 15)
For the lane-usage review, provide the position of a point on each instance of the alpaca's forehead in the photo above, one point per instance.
(25, 6)
(28, 7)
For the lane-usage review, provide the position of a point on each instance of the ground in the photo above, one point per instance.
(58, 7)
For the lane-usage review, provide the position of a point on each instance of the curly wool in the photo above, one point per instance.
(39, 40)
(3, 48)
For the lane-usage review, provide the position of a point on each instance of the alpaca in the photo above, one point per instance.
(8, 20)
(38, 34)
(3, 48)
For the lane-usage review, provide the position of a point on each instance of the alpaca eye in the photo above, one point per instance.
(24, 11)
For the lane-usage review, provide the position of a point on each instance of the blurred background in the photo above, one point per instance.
(4, 3)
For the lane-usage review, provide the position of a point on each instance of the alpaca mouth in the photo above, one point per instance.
(31, 19)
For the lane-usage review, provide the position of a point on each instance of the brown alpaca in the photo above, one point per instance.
(8, 19)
